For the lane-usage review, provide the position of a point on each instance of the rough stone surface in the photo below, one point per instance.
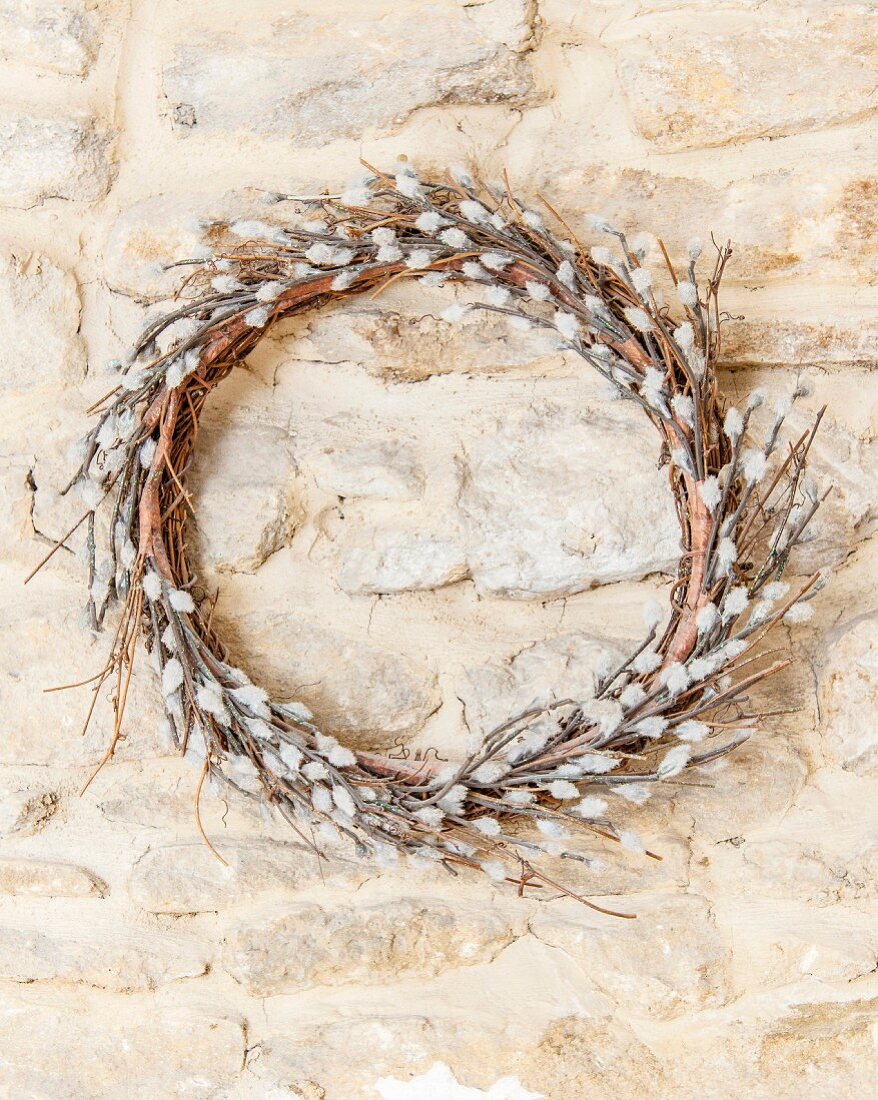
(677, 972)
(43, 878)
(531, 528)
(249, 504)
(307, 945)
(39, 312)
(571, 663)
(849, 692)
(371, 695)
(59, 35)
(707, 86)
(417, 528)
(51, 157)
(189, 878)
(386, 471)
(302, 78)
(26, 811)
(179, 1052)
(99, 953)
(401, 561)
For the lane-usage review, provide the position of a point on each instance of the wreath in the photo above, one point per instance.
(681, 699)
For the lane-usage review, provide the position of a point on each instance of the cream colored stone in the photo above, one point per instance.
(849, 695)
(587, 1057)
(692, 85)
(44, 878)
(312, 944)
(25, 812)
(296, 78)
(40, 315)
(570, 663)
(367, 693)
(59, 35)
(42, 157)
(393, 560)
(189, 878)
(247, 497)
(90, 948)
(387, 470)
(53, 1049)
(676, 968)
(546, 514)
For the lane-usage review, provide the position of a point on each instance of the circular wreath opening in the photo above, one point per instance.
(681, 699)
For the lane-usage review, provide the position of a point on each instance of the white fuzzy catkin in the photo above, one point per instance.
(707, 618)
(774, 590)
(172, 677)
(691, 730)
(753, 465)
(291, 757)
(344, 802)
(647, 661)
(632, 696)
(343, 280)
(651, 727)
(326, 255)
(684, 408)
(799, 613)
(357, 193)
(710, 492)
(253, 698)
(674, 761)
(455, 312)
(726, 555)
(733, 424)
(642, 281)
(180, 600)
(591, 807)
(675, 678)
(257, 318)
(210, 699)
(653, 613)
(498, 296)
(473, 270)
(567, 275)
(636, 793)
(418, 258)
(687, 293)
(639, 319)
(455, 238)
(473, 211)
(152, 585)
(592, 764)
(538, 291)
(685, 337)
(488, 826)
(268, 292)
(567, 325)
(563, 789)
(494, 261)
(408, 185)
(735, 603)
(429, 221)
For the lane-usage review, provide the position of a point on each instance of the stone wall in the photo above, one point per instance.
(413, 528)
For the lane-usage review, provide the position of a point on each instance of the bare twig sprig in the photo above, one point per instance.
(681, 699)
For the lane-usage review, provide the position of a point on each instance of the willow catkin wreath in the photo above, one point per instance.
(681, 699)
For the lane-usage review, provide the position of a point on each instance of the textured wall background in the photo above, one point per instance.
(413, 529)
